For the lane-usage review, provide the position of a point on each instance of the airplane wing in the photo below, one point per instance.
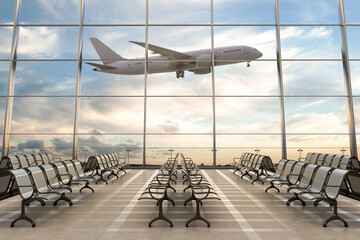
(100, 65)
(170, 54)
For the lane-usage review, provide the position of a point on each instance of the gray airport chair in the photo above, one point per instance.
(344, 162)
(328, 160)
(315, 187)
(336, 161)
(305, 177)
(27, 193)
(286, 171)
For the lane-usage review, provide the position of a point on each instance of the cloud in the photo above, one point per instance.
(169, 127)
(31, 144)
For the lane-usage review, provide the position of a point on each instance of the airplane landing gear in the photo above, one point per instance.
(248, 64)
(180, 74)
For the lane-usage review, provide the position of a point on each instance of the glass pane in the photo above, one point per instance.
(316, 115)
(238, 39)
(115, 12)
(308, 11)
(313, 78)
(117, 39)
(45, 78)
(259, 79)
(230, 146)
(180, 12)
(111, 115)
(331, 144)
(97, 83)
(355, 77)
(48, 42)
(60, 145)
(2, 113)
(353, 35)
(5, 42)
(89, 145)
(179, 115)
(7, 9)
(4, 77)
(352, 9)
(169, 84)
(246, 115)
(198, 147)
(310, 42)
(244, 12)
(43, 115)
(50, 11)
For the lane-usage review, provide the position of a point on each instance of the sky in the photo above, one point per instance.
(247, 107)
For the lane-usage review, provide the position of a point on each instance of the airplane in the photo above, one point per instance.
(198, 61)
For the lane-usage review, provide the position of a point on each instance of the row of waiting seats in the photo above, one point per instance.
(322, 183)
(256, 163)
(101, 164)
(200, 187)
(158, 187)
(322, 176)
(332, 160)
(35, 183)
(26, 160)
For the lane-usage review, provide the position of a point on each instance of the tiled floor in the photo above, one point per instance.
(244, 212)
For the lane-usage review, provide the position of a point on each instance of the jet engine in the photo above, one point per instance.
(203, 61)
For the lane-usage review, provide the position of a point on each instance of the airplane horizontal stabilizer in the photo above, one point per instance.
(170, 54)
(106, 54)
(100, 65)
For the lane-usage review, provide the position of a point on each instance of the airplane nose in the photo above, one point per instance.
(259, 54)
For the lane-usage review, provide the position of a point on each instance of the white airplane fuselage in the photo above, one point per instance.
(199, 61)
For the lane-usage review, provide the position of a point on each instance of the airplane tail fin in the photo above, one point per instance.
(106, 54)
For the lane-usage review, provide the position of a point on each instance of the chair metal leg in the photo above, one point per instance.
(246, 174)
(121, 169)
(295, 197)
(272, 186)
(113, 174)
(335, 216)
(101, 179)
(160, 215)
(87, 186)
(23, 215)
(197, 216)
(63, 197)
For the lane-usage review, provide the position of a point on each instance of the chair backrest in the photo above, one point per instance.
(308, 175)
(23, 161)
(314, 157)
(344, 162)
(38, 159)
(22, 179)
(45, 158)
(280, 167)
(288, 167)
(297, 169)
(39, 179)
(50, 157)
(31, 160)
(15, 162)
(251, 160)
(5, 162)
(78, 167)
(255, 161)
(51, 175)
(108, 160)
(336, 179)
(308, 156)
(321, 159)
(319, 179)
(71, 169)
(62, 171)
(328, 160)
(267, 164)
(259, 162)
(336, 161)
(100, 162)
